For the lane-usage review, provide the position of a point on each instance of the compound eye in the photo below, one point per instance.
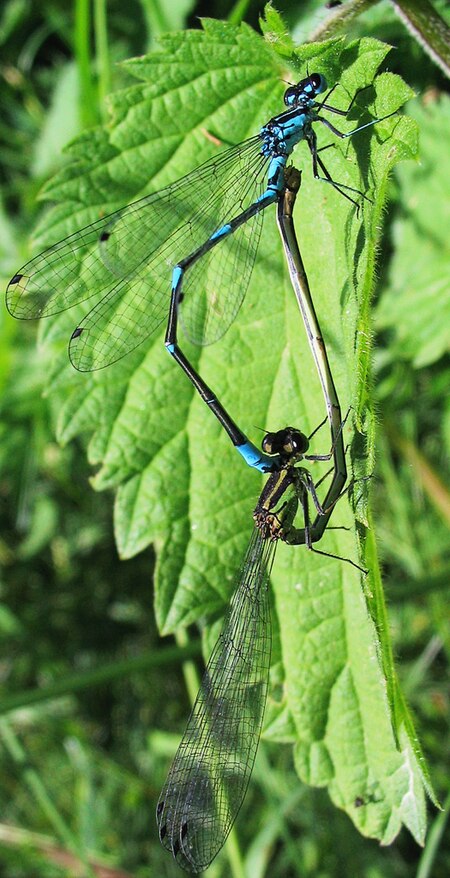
(269, 443)
(299, 442)
(318, 82)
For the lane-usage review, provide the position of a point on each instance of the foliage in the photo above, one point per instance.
(68, 603)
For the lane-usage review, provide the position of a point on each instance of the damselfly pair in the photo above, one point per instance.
(206, 229)
(208, 779)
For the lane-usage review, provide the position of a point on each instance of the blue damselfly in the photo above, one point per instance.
(125, 259)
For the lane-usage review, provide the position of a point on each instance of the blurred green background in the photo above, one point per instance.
(82, 771)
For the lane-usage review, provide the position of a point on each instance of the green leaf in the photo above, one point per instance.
(415, 307)
(61, 122)
(276, 32)
(178, 480)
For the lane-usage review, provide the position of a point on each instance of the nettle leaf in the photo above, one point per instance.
(179, 483)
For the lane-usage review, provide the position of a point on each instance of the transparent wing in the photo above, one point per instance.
(211, 769)
(215, 286)
(125, 260)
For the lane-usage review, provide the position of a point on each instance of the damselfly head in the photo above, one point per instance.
(288, 443)
(305, 90)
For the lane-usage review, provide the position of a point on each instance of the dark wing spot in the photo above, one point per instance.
(16, 279)
(162, 831)
(76, 333)
(104, 236)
